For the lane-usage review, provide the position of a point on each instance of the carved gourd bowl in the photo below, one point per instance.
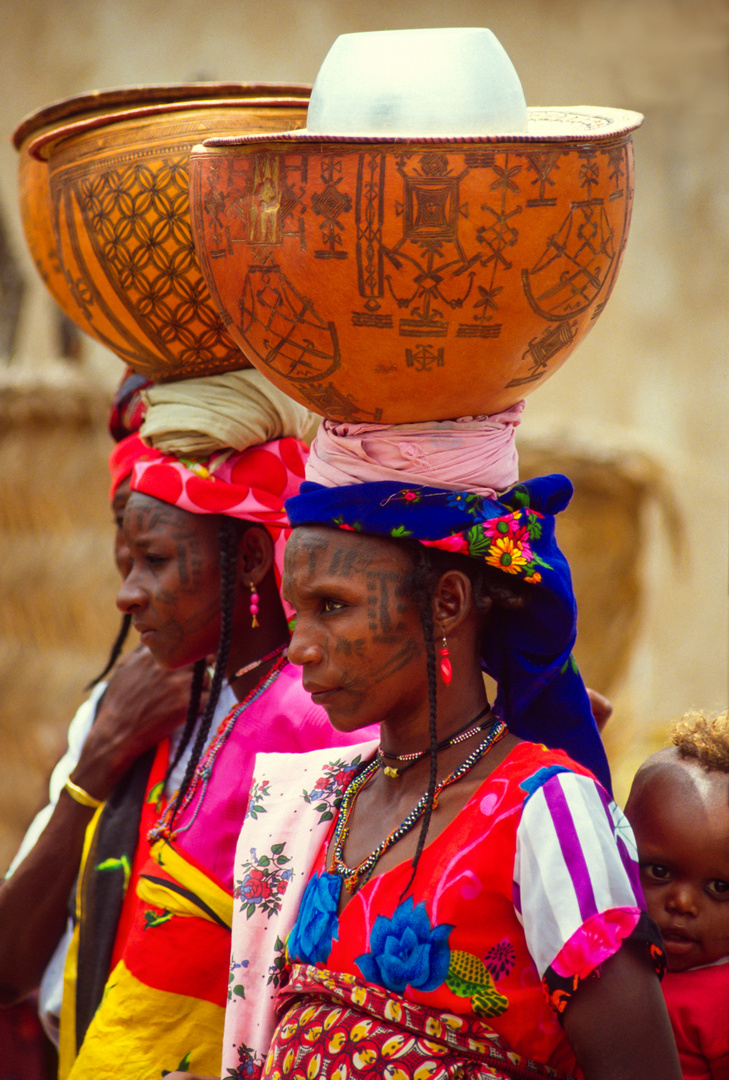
(394, 279)
(103, 182)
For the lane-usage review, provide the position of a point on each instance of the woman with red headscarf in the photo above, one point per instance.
(120, 720)
(205, 544)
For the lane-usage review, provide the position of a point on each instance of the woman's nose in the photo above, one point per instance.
(130, 595)
(303, 648)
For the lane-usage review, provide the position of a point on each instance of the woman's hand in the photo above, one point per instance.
(618, 1025)
(143, 704)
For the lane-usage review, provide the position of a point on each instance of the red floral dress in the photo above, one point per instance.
(524, 894)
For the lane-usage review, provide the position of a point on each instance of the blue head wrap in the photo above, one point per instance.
(541, 695)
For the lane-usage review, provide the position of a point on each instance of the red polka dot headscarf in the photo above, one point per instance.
(122, 459)
(251, 484)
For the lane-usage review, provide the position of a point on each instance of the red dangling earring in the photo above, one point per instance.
(254, 607)
(446, 671)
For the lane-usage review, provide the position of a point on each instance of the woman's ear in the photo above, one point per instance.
(255, 555)
(453, 600)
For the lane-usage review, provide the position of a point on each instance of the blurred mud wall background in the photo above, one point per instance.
(637, 417)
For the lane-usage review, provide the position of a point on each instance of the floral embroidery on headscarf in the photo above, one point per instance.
(503, 542)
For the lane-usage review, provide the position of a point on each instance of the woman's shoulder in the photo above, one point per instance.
(534, 777)
(539, 763)
(527, 775)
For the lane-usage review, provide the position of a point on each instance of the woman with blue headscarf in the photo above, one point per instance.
(463, 896)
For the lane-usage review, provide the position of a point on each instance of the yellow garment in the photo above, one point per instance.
(140, 1031)
(67, 1034)
(192, 878)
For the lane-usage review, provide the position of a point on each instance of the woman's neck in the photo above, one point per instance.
(455, 708)
(255, 649)
(244, 678)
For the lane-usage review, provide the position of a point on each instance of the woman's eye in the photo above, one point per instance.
(330, 605)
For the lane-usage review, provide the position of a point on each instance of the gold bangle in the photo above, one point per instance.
(82, 797)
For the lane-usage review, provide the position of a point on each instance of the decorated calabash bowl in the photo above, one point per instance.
(103, 182)
(395, 279)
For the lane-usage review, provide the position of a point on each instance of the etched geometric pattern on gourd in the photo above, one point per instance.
(282, 327)
(578, 256)
(327, 399)
(431, 268)
(369, 218)
(330, 204)
(427, 268)
(496, 236)
(138, 223)
(543, 348)
(449, 266)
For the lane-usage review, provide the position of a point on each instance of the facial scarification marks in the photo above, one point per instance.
(189, 561)
(188, 552)
(348, 561)
(385, 602)
(408, 652)
(372, 605)
(167, 534)
(385, 620)
(304, 542)
(314, 548)
(356, 627)
(350, 648)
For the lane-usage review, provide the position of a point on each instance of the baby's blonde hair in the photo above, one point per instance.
(704, 737)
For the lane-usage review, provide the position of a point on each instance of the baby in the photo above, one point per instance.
(679, 809)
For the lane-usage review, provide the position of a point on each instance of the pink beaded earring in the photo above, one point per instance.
(446, 671)
(254, 607)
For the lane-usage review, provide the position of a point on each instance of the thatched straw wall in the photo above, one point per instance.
(57, 578)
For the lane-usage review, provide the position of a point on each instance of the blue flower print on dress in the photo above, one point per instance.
(310, 941)
(406, 951)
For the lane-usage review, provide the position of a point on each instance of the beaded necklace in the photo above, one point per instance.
(468, 730)
(163, 828)
(257, 663)
(357, 876)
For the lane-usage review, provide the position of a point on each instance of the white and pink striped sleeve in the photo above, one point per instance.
(576, 885)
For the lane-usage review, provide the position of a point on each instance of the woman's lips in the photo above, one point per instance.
(320, 695)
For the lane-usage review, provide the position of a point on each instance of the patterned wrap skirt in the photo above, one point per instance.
(337, 1026)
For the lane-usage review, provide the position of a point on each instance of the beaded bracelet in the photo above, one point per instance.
(82, 797)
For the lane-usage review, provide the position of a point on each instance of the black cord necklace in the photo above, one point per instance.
(469, 729)
(357, 876)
